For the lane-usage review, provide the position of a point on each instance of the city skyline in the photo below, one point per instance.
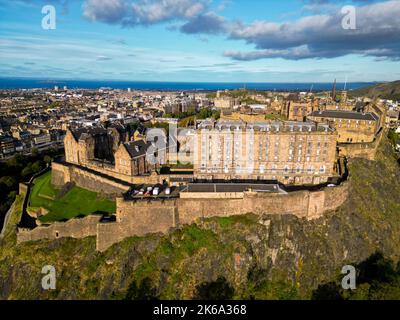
(201, 41)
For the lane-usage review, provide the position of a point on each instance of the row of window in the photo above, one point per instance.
(262, 169)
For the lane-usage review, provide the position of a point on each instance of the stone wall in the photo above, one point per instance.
(361, 150)
(74, 228)
(101, 181)
(137, 218)
(62, 173)
(22, 188)
(358, 150)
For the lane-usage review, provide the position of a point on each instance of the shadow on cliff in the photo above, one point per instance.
(377, 278)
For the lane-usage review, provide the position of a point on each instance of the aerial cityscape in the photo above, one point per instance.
(199, 150)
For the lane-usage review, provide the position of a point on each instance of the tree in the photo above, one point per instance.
(27, 171)
(11, 196)
(47, 159)
(16, 161)
(8, 181)
(37, 166)
(145, 291)
(216, 290)
(328, 291)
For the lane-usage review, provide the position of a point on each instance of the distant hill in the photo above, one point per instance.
(388, 90)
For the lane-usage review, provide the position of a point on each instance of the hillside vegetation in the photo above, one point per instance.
(268, 257)
(389, 90)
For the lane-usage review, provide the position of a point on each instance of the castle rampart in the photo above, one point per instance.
(74, 228)
(138, 218)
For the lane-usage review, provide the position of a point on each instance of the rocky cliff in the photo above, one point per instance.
(272, 257)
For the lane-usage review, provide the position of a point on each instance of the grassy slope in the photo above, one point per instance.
(275, 257)
(76, 202)
(390, 90)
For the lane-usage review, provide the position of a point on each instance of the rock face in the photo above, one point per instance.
(264, 257)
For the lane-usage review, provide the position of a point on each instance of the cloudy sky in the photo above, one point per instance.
(201, 40)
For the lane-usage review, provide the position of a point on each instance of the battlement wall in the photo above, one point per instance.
(62, 174)
(141, 217)
(74, 228)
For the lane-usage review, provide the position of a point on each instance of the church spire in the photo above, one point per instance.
(334, 91)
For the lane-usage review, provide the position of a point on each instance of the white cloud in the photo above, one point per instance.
(142, 12)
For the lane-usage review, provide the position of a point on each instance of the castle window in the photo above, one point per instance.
(286, 169)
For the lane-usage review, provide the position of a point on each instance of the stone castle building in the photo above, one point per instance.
(299, 110)
(289, 152)
(109, 151)
(352, 126)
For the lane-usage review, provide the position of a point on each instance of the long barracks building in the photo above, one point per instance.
(289, 152)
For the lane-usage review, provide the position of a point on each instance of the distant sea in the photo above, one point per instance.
(19, 83)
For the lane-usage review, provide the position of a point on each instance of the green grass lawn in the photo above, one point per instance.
(75, 202)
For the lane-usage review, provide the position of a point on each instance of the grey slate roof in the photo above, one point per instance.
(137, 148)
(232, 187)
(77, 133)
(343, 114)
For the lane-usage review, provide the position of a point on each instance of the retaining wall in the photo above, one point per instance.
(141, 217)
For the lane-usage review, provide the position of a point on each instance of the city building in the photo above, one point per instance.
(289, 152)
(109, 151)
(352, 126)
(6, 145)
(299, 110)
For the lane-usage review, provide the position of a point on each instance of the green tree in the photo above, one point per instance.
(37, 166)
(8, 181)
(27, 171)
(17, 161)
(143, 291)
(11, 196)
(47, 159)
(216, 290)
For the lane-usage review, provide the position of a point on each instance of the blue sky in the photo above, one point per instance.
(202, 40)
